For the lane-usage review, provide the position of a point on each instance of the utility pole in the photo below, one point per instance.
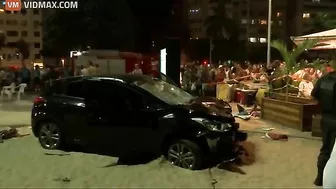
(269, 33)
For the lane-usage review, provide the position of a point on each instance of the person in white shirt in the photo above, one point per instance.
(137, 69)
(306, 86)
(92, 70)
(84, 71)
(329, 172)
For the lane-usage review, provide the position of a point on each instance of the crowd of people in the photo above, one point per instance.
(34, 77)
(199, 77)
(87, 70)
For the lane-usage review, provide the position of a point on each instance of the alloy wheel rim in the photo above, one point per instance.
(49, 135)
(181, 155)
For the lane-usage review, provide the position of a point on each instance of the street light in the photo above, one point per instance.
(269, 33)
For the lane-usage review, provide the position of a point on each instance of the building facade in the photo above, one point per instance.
(289, 17)
(25, 25)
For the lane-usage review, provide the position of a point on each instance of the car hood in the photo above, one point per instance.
(208, 107)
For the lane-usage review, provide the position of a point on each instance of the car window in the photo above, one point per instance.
(112, 95)
(75, 89)
(54, 87)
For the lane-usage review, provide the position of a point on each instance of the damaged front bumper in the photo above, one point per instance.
(225, 145)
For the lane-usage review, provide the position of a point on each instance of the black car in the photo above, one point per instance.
(129, 114)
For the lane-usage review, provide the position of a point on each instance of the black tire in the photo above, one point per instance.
(194, 153)
(53, 140)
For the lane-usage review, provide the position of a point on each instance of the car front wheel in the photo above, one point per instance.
(185, 154)
(50, 136)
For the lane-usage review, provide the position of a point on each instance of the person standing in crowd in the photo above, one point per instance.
(306, 86)
(205, 79)
(220, 76)
(3, 76)
(84, 71)
(227, 72)
(97, 69)
(37, 78)
(187, 76)
(137, 69)
(25, 75)
(52, 74)
(92, 69)
(328, 68)
(66, 71)
(212, 73)
(324, 93)
(239, 71)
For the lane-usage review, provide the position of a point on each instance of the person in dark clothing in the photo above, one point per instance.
(324, 92)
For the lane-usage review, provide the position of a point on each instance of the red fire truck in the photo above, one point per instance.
(116, 62)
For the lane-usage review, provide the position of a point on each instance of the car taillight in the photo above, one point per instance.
(39, 100)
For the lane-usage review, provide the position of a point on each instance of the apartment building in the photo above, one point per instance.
(289, 17)
(25, 25)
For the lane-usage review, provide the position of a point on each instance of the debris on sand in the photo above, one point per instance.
(10, 133)
(64, 179)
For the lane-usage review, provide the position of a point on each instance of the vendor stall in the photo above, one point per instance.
(327, 39)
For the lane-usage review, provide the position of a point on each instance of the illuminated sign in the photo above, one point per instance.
(163, 61)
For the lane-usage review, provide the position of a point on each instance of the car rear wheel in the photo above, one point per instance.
(185, 154)
(50, 136)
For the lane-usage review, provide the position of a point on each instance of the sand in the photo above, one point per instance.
(23, 163)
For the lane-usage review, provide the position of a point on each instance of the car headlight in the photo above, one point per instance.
(213, 125)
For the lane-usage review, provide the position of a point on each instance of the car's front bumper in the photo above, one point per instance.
(225, 145)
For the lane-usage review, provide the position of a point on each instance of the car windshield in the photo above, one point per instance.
(166, 92)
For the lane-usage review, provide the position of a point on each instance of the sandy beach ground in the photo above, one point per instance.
(23, 164)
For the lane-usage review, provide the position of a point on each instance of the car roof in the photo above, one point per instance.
(125, 78)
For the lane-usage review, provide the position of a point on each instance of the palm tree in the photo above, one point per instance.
(23, 48)
(290, 57)
(321, 22)
(220, 24)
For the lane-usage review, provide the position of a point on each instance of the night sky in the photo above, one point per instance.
(152, 17)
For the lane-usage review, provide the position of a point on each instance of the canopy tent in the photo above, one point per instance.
(327, 39)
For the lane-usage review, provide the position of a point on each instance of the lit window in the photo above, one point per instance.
(253, 21)
(244, 21)
(263, 22)
(279, 14)
(253, 39)
(263, 40)
(306, 15)
(194, 10)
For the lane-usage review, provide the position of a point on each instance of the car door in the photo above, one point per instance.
(73, 110)
(118, 116)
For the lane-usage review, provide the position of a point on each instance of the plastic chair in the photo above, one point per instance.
(8, 90)
(21, 90)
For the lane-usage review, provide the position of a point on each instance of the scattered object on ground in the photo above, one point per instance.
(268, 128)
(246, 156)
(243, 117)
(111, 164)
(55, 154)
(232, 168)
(246, 153)
(241, 110)
(275, 136)
(255, 111)
(65, 179)
(242, 113)
(10, 133)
